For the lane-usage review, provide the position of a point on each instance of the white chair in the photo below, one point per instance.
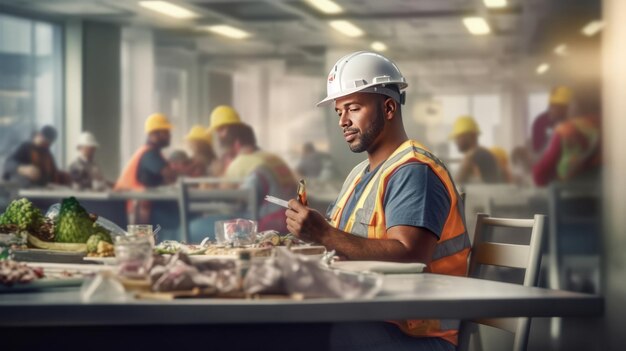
(486, 253)
(195, 198)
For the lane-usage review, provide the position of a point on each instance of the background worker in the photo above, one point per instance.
(84, 172)
(204, 162)
(574, 151)
(479, 165)
(400, 204)
(32, 163)
(544, 124)
(221, 117)
(148, 167)
(503, 161)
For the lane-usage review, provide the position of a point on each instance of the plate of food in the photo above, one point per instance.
(65, 234)
(17, 277)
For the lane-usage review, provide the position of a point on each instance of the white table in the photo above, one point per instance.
(404, 296)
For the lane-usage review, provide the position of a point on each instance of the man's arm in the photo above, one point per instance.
(403, 243)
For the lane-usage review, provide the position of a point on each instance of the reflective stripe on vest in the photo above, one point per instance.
(368, 220)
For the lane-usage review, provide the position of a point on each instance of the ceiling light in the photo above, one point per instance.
(543, 68)
(592, 28)
(346, 28)
(495, 3)
(326, 6)
(561, 50)
(168, 9)
(378, 46)
(227, 31)
(477, 25)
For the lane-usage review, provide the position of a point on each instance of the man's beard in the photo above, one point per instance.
(365, 139)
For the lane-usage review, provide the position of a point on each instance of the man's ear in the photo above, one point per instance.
(390, 106)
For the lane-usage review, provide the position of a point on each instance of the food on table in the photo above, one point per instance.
(178, 273)
(99, 245)
(74, 224)
(271, 238)
(23, 214)
(69, 231)
(12, 272)
(170, 247)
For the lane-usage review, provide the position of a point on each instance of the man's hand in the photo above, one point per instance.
(306, 223)
(30, 171)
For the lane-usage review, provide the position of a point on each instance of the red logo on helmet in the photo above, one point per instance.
(331, 77)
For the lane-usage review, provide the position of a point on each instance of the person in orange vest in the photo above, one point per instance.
(400, 204)
(147, 168)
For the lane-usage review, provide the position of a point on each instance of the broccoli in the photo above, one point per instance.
(73, 225)
(23, 214)
(94, 239)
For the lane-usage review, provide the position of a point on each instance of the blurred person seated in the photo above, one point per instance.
(32, 163)
(522, 166)
(260, 170)
(314, 164)
(221, 117)
(503, 162)
(574, 151)
(182, 165)
(544, 124)
(84, 172)
(257, 169)
(479, 165)
(204, 162)
(148, 168)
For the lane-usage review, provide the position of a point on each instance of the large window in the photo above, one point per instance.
(31, 90)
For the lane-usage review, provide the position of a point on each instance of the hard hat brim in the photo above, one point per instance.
(333, 97)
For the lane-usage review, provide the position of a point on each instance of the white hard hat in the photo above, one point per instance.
(87, 139)
(367, 72)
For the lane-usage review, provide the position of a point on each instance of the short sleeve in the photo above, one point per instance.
(415, 196)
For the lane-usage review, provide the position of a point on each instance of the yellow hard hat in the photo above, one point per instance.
(223, 115)
(198, 132)
(464, 124)
(157, 121)
(561, 95)
(500, 156)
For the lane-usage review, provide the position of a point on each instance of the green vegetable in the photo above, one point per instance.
(94, 239)
(23, 214)
(73, 225)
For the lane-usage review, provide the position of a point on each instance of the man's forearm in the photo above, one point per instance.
(358, 248)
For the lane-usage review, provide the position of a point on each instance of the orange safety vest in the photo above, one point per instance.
(368, 220)
(138, 211)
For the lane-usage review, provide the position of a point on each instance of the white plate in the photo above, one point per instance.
(103, 260)
(379, 267)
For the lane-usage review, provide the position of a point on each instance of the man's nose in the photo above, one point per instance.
(344, 121)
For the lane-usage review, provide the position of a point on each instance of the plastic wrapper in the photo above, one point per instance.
(235, 232)
(102, 287)
(289, 273)
(177, 273)
(114, 229)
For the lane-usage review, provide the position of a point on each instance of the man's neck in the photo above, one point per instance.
(246, 150)
(386, 147)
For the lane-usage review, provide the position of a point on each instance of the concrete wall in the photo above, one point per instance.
(614, 125)
(101, 91)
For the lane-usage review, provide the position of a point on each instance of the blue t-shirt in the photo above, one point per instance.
(415, 196)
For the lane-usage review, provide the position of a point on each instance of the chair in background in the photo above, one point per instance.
(495, 254)
(204, 195)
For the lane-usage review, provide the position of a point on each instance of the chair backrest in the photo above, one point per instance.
(487, 253)
(202, 195)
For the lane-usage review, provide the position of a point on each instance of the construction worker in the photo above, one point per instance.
(32, 163)
(260, 170)
(544, 124)
(84, 172)
(503, 162)
(221, 117)
(400, 204)
(203, 160)
(479, 165)
(574, 150)
(147, 168)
